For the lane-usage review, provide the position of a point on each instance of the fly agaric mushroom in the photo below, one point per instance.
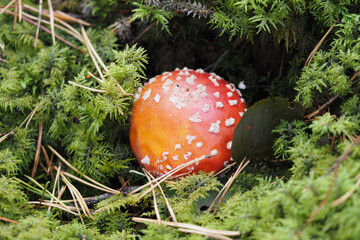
(181, 115)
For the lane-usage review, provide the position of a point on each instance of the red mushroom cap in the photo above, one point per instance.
(183, 115)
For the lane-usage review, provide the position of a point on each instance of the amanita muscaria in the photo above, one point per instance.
(182, 115)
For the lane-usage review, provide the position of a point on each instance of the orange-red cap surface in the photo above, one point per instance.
(183, 115)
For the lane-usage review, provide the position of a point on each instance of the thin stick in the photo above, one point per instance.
(312, 54)
(38, 149)
(77, 171)
(7, 6)
(8, 220)
(52, 21)
(87, 88)
(171, 211)
(156, 208)
(38, 24)
(188, 226)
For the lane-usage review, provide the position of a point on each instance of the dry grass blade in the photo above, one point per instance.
(57, 20)
(226, 187)
(53, 205)
(38, 24)
(167, 175)
(312, 54)
(93, 76)
(8, 220)
(29, 117)
(77, 171)
(6, 136)
(171, 211)
(67, 17)
(73, 196)
(348, 194)
(55, 184)
(38, 150)
(188, 226)
(212, 235)
(87, 88)
(52, 21)
(90, 47)
(20, 10)
(89, 184)
(7, 6)
(15, 14)
(156, 208)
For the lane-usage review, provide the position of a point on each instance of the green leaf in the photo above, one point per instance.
(253, 135)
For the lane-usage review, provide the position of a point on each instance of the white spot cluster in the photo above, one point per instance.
(146, 94)
(190, 138)
(145, 160)
(206, 108)
(232, 102)
(191, 80)
(199, 70)
(199, 92)
(168, 167)
(196, 118)
(217, 94)
(199, 144)
(229, 122)
(178, 78)
(184, 72)
(241, 114)
(214, 81)
(228, 145)
(179, 101)
(137, 95)
(219, 104)
(176, 157)
(164, 155)
(231, 87)
(151, 80)
(214, 152)
(166, 85)
(215, 127)
(187, 155)
(157, 98)
(242, 85)
(177, 146)
(229, 94)
(190, 169)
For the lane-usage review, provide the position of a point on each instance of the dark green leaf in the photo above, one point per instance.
(253, 135)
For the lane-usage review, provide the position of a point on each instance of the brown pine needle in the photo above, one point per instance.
(7, 6)
(87, 88)
(48, 163)
(38, 150)
(29, 117)
(171, 211)
(187, 226)
(312, 54)
(38, 24)
(156, 208)
(6, 136)
(15, 14)
(52, 21)
(77, 171)
(348, 194)
(8, 220)
(73, 196)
